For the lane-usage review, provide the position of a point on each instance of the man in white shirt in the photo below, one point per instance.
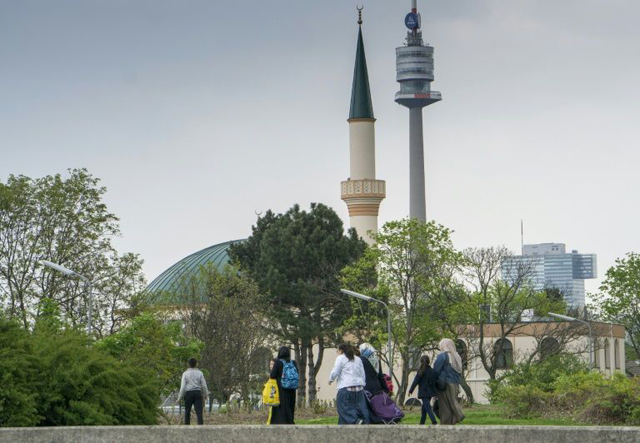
(351, 402)
(193, 389)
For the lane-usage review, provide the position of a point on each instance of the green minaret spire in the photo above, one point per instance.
(361, 106)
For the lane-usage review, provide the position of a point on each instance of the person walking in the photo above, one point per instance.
(448, 370)
(374, 380)
(351, 402)
(285, 372)
(425, 379)
(193, 388)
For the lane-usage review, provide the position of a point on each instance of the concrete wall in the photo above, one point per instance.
(316, 434)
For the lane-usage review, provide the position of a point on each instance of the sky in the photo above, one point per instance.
(199, 114)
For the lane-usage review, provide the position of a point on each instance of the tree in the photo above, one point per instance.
(157, 345)
(296, 259)
(224, 311)
(501, 295)
(62, 220)
(413, 262)
(620, 296)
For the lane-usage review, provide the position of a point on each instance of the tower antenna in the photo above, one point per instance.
(360, 8)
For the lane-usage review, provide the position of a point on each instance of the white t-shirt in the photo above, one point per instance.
(348, 372)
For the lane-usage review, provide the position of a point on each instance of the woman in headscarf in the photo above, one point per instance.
(448, 371)
(373, 371)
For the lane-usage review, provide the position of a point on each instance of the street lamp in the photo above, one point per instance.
(67, 271)
(367, 298)
(567, 318)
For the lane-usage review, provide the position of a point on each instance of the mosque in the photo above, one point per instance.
(363, 194)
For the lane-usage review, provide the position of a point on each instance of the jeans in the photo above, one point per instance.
(351, 407)
(426, 409)
(193, 398)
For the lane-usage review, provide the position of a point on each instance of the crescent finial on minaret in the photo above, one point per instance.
(360, 14)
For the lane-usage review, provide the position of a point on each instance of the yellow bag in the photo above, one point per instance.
(270, 395)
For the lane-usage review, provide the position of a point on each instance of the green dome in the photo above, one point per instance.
(168, 281)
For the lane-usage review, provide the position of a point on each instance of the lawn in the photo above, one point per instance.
(476, 415)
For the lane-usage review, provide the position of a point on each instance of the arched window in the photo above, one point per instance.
(596, 351)
(549, 346)
(607, 354)
(503, 350)
(461, 347)
(616, 353)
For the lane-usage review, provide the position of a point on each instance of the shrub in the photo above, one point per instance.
(541, 374)
(53, 377)
(525, 401)
(615, 402)
(17, 397)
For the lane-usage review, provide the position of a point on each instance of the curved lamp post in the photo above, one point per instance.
(567, 318)
(367, 298)
(67, 271)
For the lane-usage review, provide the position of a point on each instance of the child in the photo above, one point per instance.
(426, 379)
(271, 363)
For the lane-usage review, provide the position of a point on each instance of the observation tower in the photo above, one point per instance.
(414, 72)
(361, 191)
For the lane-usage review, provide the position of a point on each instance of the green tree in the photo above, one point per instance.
(63, 220)
(158, 346)
(296, 259)
(620, 297)
(413, 262)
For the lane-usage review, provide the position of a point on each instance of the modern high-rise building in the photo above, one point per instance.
(362, 192)
(553, 267)
(414, 72)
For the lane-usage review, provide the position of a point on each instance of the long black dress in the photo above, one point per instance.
(283, 414)
(374, 384)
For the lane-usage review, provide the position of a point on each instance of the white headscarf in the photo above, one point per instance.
(447, 345)
(369, 352)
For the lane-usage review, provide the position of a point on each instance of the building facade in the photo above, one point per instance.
(553, 267)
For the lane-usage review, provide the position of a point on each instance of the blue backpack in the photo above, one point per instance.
(289, 375)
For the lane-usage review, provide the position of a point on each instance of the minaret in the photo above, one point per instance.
(362, 192)
(414, 69)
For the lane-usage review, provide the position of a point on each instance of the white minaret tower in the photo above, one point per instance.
(414, 69)
(362, 192)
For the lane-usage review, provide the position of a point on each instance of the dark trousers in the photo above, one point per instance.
(352, 406)
(426, 409)
(193, 398)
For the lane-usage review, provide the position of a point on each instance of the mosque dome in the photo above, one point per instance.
(167, 282)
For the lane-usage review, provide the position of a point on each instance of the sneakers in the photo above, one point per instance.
(359, 421)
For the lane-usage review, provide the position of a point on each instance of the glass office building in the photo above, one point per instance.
(552, 267)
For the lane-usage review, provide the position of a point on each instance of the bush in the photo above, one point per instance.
(525, 401)
(53, 377)
(615, 402)
(541, 374)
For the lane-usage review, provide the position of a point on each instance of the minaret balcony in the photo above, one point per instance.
(363, 188)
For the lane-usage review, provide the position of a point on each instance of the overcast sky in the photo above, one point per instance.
(197, 114)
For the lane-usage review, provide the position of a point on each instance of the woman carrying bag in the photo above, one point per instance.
(448, 370)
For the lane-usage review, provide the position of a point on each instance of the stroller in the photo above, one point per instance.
(384, 408)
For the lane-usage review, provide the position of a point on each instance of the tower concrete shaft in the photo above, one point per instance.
(362, 192)
(414, 72)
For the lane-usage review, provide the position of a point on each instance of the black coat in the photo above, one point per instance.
(427, 383)
(374, 379)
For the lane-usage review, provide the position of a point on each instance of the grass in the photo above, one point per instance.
(476, 415)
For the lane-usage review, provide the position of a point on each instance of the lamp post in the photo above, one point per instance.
(67, 271)
(567, 318)
(367, 298)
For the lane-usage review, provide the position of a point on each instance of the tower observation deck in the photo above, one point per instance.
(414, 72)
